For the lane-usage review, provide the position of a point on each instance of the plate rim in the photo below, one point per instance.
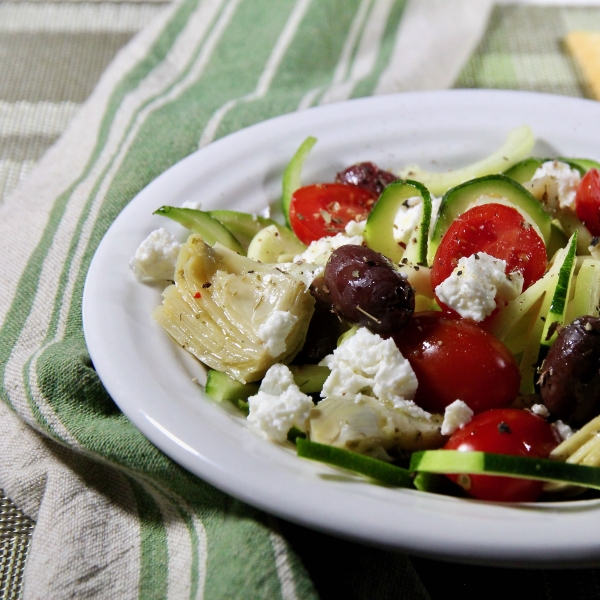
(570, 554)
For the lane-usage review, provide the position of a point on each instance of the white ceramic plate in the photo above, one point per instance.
(150, 378)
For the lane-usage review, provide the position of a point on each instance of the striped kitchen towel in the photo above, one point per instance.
(115, 518)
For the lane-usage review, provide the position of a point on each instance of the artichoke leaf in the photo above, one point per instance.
(373, 427)
(218, 302)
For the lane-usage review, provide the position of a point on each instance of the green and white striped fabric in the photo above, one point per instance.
(114, 517)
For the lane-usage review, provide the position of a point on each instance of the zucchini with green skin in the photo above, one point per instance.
(517, 146)
(484, 190)
(219, 386)
(211, 230)
(379, 230)
(524, 170)
(292, 175)
(509, 324)
(374, 468)
(586, 298)
(549, 317)
(275, 243)
(583, 165)
(555, 316)
(485, 463)
(244, 226)
(237, 231)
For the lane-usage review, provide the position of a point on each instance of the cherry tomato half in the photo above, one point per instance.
(587, 201)
(503, 431)
(324, 209)
(497, 230)
(454, 359)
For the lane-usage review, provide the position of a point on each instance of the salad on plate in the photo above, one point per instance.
(430, 330)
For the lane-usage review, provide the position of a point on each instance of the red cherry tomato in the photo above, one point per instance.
(503, 431)
(454, 359)
(497, 230)
(587, 201)
(324, 209)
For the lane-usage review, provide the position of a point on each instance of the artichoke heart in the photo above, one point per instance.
(219, 301)
(372, 427)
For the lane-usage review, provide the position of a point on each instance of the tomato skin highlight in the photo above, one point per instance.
(497, 230)
(454, 359)
(587, 201)
(503, 431)
(324, 209)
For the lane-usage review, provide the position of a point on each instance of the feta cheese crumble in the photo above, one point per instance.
(562, 429)
(407, 218)
(193, 204)
(156, 256)
(274, 331)
(567, 180)
(478, 285)
(318, 252)
(456, 416)
(540, 410)
(366, 364)
(354, 228)
(279, 405)
(594, 248)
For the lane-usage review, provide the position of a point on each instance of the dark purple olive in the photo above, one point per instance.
(366, 289)
(324, 329)
(368, 176)
(570, 375)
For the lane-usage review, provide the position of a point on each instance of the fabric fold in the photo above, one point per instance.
(115, 517)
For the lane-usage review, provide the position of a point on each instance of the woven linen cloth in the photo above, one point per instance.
(115, 518)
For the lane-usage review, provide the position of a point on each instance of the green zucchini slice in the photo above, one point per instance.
(244, 226)
(523, 171)
(491, 188)
(219, 386)
(517, 146)
(586, 299)
(379, 230)
(558, 305)
(198, 221)
(374, 468)
(557, 282)
(583, 165)
(292, 175)
(485, 463)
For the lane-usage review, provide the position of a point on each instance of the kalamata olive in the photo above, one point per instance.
(570, 375)
(366, 288)
(324, 329)
(368, 176)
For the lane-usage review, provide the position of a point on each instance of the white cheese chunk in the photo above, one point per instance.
(407, 218)
(478, 285)
(456, 415)
(567, 180)
(562, 429)
(354, 228)
(366, 364)
(279, 405)
(318, 252)
(275, 330)
(193, 204)
(540, 410)
(156, 256)
(594, 248)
